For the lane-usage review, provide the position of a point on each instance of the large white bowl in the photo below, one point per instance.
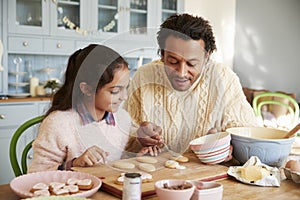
(169, 194)
(268, 144)
(22, 185)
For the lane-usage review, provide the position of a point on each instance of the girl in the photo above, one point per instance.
(85, 125)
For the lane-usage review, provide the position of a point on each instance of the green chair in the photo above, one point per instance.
(19, 170)
(271, 98)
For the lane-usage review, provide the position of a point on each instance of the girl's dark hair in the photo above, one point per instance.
(95, 65)
(187, 27)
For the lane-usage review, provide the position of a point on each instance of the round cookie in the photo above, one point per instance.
(172, 164)
(147, 159)
(85, 184)
(181, 159)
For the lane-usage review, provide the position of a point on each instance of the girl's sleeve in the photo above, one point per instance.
(50, 146)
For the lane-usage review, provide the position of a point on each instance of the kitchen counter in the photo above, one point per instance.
(27, 99)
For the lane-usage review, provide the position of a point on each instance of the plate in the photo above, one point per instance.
(21, 84)
(17, 73)
(19, 95)
(57, 198)
(21, 185)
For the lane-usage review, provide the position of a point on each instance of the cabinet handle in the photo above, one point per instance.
(30, 156)
(58, 45)
(2, 116)
(25, 44)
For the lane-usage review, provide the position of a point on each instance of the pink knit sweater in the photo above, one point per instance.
(62, 137)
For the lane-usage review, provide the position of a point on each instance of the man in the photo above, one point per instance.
(186, 93)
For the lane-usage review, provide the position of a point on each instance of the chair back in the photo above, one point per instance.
(17, 168)
(282, 104)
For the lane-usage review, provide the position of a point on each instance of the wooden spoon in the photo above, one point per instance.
(293, 131)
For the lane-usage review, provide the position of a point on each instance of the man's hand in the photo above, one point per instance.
(152, 150)
(149, 134)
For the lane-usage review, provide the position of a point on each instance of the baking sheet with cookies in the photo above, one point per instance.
(110, 174)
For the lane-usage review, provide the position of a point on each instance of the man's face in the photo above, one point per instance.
(183, 61)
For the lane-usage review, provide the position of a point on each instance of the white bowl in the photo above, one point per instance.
(171, 194)
(269, 145)
(207, 190)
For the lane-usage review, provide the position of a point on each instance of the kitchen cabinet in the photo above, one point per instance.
(12, 115)
(42, 28)
(93, 17)
(44, 17)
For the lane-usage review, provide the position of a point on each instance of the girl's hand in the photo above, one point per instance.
(149, 134)
(90, 157)
(152, 150)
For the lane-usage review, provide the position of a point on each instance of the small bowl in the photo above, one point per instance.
(207, 190)
(269, 145)
(212, 148)
(165, 193)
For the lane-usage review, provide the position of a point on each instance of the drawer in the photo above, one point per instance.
(63, 47)
(15, 115)
(25, 44)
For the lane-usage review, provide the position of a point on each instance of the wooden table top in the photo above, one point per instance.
(232, 189)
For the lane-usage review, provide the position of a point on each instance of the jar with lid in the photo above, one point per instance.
(132, 186)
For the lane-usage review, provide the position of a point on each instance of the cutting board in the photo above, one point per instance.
(195, 170)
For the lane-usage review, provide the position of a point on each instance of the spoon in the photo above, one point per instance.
(173, 153)
(293, 131)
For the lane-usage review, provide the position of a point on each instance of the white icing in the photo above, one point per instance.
(72, 181)
(171, 163)
(40, 193)
(144, 176)
(180, 167)
(40, 186)
(85, 182)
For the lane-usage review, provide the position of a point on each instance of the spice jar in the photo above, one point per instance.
(132, 186)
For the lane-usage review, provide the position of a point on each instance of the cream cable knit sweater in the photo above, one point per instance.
(62, 137)
(215, 100)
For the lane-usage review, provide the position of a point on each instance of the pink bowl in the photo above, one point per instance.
(213, 153)
(207, 190)
(21, 185)
(165, 194)
(212, 148)
(210, 142)
(214, 159)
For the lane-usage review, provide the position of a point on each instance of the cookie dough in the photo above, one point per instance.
(123, 165)
(254, 173)
(147, 159)
(146, 167)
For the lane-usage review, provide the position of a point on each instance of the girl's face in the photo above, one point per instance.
(110, 96)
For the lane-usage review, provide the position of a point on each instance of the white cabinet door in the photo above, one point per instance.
(68, 18)
(12, 115)
(28, 17)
